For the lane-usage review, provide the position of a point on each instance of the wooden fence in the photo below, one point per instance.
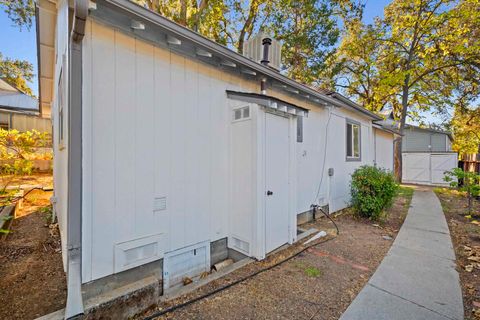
(470, 162)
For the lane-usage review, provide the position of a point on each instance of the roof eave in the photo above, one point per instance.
(223, 52)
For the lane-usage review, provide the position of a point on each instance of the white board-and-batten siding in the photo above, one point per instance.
(60, 165)
(157, 125)
(383, 149)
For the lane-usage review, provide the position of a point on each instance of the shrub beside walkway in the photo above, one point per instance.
(417, 279)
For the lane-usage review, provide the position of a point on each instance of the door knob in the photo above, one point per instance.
(269, 193)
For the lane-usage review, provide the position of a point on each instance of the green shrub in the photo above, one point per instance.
(372, 190)
(470, 184)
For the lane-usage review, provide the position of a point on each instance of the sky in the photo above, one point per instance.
(18, 44)
(21, 44)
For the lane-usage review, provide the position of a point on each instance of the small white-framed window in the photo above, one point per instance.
(241, 113)
(353, 143)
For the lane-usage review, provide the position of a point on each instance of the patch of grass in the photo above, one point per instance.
(312, 272)
(47, 214)
(471, 228)
(406, 192)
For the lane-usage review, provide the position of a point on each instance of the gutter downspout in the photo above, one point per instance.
(74, 306)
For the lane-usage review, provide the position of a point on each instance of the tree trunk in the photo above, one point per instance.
(247, 26)
(201, 7)
(398, 163)
(183, 13)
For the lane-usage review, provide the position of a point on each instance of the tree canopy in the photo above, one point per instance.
(424, 55)
(465, 125)
(18, 72)
(21, 12)
(308, 29)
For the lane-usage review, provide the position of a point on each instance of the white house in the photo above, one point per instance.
(172, 150)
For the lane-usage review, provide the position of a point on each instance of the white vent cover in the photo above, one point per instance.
(253, 49)
(188, 262)
(240, 245)
(136, 252)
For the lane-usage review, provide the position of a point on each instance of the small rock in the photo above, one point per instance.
(476, 304)
(469, 268)
(387, 238)
(376, 225)
(187, 280)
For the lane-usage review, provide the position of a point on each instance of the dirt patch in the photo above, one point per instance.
(32, 280)
(465, 232)
(318, 283)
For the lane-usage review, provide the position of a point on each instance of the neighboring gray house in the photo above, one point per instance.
(426, 153)
(417, 139)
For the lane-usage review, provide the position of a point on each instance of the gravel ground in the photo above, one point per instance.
(465, 232)
(319, 283)
(32, 281)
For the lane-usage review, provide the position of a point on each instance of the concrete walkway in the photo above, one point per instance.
(417, 279)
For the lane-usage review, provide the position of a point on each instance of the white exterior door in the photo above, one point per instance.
(277, 155)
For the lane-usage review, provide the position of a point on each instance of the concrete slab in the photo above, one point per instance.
(426, 242)
(426, 280)
(417, 279)
(374, 303)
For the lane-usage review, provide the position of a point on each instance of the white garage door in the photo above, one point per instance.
(416, 167)
(441, 163)
(427, 168)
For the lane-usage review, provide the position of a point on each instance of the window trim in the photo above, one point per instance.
(300, 129)
(353, 123)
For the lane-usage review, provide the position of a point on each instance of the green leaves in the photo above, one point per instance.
(372, 190)
(308, 32)
(465, 125)
(17, 73)
(468, 182)
(422, 56)
(21, 12)
(308, 29)
(18, 149)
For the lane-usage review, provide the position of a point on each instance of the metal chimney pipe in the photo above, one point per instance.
(266, 42)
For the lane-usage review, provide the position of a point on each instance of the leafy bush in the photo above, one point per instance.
(372, 190)
(470, 184)
(17, 152)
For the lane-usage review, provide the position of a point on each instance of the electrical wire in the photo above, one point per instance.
(186, 303)
(324, 156)
(328, 216)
